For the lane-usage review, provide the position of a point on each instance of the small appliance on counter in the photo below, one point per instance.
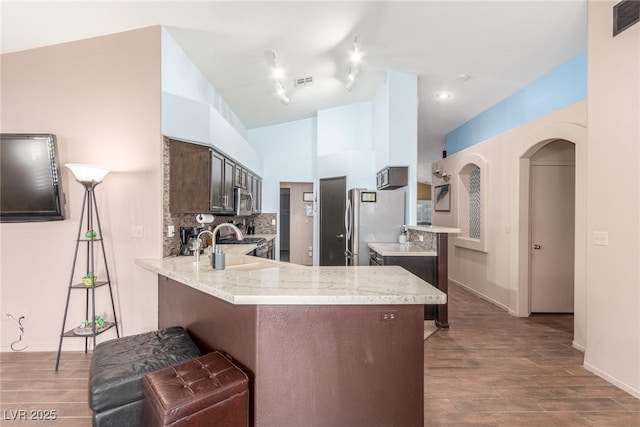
(188, 237)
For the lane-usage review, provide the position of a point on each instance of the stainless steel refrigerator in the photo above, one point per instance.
(371, 216)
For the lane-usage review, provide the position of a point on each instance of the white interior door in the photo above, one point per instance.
(552, 238)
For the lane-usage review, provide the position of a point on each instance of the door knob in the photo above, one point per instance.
(340, 236)
(536, 247)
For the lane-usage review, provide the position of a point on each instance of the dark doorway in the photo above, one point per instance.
(333, 193)
(285, 223)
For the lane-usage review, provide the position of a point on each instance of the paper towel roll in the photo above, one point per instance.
(204, 218)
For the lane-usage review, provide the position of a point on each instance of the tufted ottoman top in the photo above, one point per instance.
(117, 366)
(185, 389)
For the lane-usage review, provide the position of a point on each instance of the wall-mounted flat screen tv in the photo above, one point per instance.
(30, 184)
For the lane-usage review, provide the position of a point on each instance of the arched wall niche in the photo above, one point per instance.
(472, 202)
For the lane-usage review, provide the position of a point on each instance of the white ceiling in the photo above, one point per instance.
(501, 45)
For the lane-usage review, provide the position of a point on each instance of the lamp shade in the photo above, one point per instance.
(87, 173)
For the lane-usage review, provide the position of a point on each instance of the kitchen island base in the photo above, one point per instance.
(312, 365)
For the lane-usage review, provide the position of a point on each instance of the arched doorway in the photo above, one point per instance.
(552, 228)
(576, 134)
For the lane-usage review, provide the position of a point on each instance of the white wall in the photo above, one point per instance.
(101, 98)
(501, 273)
(613, 275)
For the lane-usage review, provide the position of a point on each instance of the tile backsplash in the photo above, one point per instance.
(429, 239)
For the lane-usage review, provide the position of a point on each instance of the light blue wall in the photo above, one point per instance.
(559, 88)
(344, 128)
(181, 77)
(344, 144)
(395, 132)
(192, 110)
(288, 151)
(403, 119)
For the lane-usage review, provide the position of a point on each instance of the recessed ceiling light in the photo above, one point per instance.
(464, 77)
(443, 96)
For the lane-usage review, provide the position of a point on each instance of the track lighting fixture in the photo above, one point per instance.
(354, 60)
(277, 73)
(282, 93)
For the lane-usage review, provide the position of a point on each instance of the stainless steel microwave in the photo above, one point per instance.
(243, 202)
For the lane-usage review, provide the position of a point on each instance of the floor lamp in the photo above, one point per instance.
(89, 176)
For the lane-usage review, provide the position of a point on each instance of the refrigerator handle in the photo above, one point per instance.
(347, 219)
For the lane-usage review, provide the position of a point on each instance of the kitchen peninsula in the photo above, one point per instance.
(338, 346)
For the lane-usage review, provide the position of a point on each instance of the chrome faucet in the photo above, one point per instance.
(196, 252)
(213, 237)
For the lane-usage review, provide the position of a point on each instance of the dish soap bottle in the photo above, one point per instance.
(402, 238)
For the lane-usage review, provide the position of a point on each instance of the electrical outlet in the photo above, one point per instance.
(388, 315)
(137, 231)
(421, 238)
(171, 231)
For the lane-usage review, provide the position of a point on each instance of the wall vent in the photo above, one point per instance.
(304, 81)
(625, 14)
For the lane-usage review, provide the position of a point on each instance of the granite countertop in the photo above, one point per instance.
(251, 280)
(400, 249)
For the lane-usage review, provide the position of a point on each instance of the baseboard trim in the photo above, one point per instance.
(632, 391)
(578, 347)
(483, 296)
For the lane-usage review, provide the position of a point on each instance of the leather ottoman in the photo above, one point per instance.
(118, 366)
(209, 391)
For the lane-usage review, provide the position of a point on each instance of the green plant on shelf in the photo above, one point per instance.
(89, 280)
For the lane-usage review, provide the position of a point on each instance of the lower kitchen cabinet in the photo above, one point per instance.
(422, 266)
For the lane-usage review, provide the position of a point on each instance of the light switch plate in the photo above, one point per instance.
(137, 231)
(600, 238)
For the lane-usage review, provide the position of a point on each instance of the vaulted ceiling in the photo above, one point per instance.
(500, 46)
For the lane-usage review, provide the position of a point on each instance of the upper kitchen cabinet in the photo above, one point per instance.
(222, 177)
(392, 177)
(189, 169)
(240, 177)
(202, 179)
(254, 186)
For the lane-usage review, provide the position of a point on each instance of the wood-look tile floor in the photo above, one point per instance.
(492, 369)
(488, 369)
(31, 390)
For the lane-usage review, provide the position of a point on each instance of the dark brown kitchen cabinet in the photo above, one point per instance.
(189, 169)
(240, 178)
(392, 177)
(422, 266)
(222, 171)
(254, 185)
(204, 180)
